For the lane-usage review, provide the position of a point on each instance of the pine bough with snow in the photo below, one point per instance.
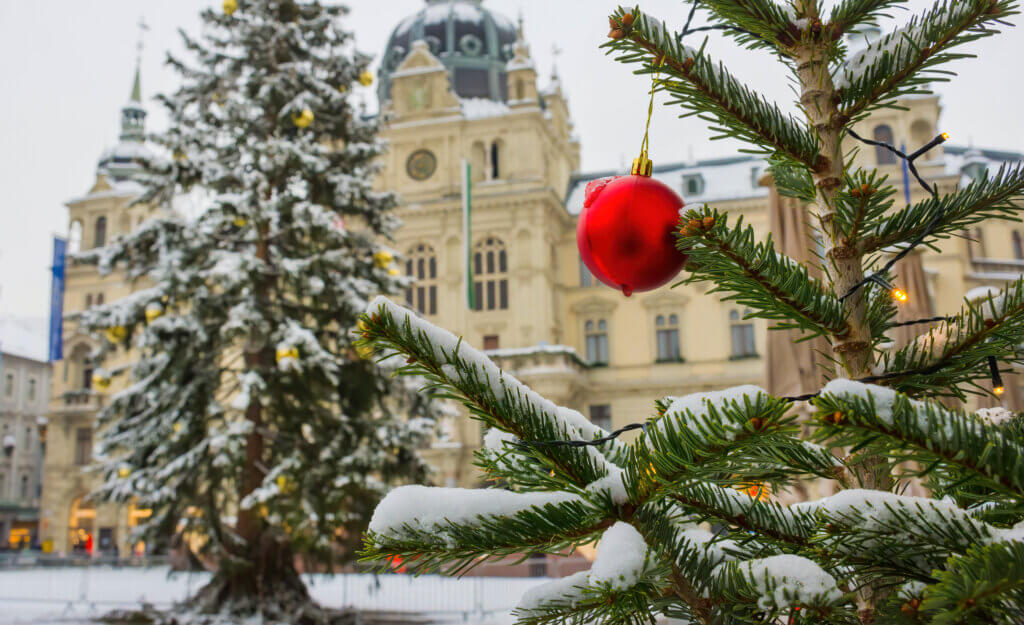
(868, 554)
(251, 425)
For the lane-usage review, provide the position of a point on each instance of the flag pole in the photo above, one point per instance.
(467, 229)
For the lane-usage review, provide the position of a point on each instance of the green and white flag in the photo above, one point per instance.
(467, 228)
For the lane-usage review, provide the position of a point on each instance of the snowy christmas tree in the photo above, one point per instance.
(684, 525)
(251, 425)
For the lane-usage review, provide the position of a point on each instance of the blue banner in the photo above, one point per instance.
(60, 248)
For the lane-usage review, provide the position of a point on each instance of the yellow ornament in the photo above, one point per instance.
(240, 222)
(303, 119)
(124, 472)
(230, 6)
(382, 258)
(366, 78)
(287, 352)
(393, 272)
(178, 426)
(100, 380)
(365, 351)
(284, 484)
(153, 312)
(116, 334)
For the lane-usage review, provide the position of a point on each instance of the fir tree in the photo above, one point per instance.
(867, 554)
(251, 424)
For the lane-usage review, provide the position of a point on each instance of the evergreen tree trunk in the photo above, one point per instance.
(818, 97)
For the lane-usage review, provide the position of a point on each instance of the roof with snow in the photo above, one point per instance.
(736, 178)
(474, 44)
(731, 178)
(25, 338)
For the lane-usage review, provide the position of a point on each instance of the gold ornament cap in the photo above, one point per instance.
(642, 166)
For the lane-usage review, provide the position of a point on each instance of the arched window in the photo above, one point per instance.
(1018, 246)
(666, 331)
(99, 299)
(421, 263)
(742, 335)
(884, 134)
(490, 272)
(495, 161)
(595, 335)
(99, 238)
(75, 237)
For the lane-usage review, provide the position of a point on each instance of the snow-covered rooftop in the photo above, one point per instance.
(480, 108)
(729, 178)
(25, 337)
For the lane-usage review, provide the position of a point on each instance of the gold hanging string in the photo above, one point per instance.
(642, 165)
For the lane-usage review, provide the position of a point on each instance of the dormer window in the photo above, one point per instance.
(693, 184)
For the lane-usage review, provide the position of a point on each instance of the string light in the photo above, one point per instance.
(997, 380)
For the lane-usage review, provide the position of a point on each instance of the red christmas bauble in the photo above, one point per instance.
(625, 232)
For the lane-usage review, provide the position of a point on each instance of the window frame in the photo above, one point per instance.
(490, 276)
(666, 326)
(742, 328)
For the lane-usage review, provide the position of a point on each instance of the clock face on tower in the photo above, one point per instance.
(421, 164)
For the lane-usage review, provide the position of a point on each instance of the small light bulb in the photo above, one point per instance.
(999, 390)
(899, 295)
(945, 136)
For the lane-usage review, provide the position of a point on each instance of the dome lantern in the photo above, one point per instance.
(473, 42)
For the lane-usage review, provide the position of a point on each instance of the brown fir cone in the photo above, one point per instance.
(627, 20)
(709, 222)
(617, 33)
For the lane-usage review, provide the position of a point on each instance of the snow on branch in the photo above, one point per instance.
(498, 399)
(781, 581)
(902, 62)
(622, 561)
(922, 430)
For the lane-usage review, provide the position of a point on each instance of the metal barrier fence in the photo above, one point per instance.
(90, 588)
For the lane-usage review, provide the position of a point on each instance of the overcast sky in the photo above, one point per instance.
(66, 69)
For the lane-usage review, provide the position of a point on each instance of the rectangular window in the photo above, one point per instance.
(743, 340)
(83, 446)
(597, 349)
(9, 385)
(668, 345)
(421, 297)
(490, 295)
(433, 300)
(87, 378)
(31, 389)
(601, 416)
(408, 297)
(503, 295)
(491, 341)
(478, 295)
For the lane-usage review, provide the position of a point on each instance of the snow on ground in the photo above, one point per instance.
(73, 595)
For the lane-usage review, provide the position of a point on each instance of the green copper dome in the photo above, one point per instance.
(473, 42)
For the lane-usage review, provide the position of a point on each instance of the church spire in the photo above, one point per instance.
(133, 115)
(137, 86)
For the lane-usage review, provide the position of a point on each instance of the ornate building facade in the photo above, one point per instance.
(456, 83)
